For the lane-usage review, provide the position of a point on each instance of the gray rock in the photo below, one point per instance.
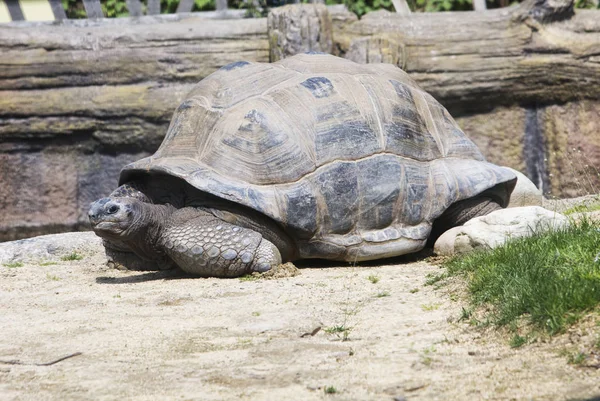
(592, 217)
(50, 247)
(493, 230)
(586, 202)
(525, 192)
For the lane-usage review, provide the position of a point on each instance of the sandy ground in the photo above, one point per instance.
(164, 336)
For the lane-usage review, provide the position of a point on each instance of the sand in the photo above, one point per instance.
(166, 336)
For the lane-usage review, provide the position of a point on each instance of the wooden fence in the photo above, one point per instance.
(53, 9)
(135, 8)
(93, 8)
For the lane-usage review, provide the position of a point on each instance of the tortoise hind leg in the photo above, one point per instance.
(459, 213)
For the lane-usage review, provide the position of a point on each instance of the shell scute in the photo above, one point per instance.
(337, 185)
(234, 65)
(318, 86)
(379, 194)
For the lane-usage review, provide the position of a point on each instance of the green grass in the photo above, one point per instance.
(591, 207)
(373, 279)
(71, 256)
(549, 279)
(430, 307)
(330, 390)
(12, 265)
(382, 294)
(341, 331)
(516, 341)
(577, 358)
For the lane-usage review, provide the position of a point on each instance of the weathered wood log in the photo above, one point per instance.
(539, 52)
(133, 117)
(77, 54)
(299, 28)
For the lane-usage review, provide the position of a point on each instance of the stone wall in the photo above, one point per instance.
(564, 163)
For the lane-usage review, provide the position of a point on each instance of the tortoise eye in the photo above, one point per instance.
(113, 209)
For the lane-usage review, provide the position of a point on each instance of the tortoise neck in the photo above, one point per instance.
(146, 229)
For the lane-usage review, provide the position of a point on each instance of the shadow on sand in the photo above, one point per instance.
(177, 274)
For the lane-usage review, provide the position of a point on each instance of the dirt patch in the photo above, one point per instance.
(161, 335)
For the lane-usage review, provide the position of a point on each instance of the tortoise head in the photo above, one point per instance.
(114, 217)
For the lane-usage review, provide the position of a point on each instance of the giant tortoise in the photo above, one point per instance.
(313, 156)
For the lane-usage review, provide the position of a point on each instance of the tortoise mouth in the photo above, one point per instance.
(108, 227)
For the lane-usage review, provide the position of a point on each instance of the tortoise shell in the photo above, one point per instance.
(353, 161)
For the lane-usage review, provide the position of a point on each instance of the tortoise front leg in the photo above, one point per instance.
(203, 245)
(125, 259)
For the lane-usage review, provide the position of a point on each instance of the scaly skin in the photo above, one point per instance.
(203, 245)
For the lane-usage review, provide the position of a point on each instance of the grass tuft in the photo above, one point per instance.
(430, 307)
(517, 341)
(373, 279)
(576, 358)
(330, 390)
(549, 279)
(589, 207)
(12, 265)
(52, 277)
(340, 331)
(71, 256)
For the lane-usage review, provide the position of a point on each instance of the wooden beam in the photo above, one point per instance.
(221, 5)
(153, 7)
(93, 9)
(58, 10)
(185, 6)
(15, 11)
(479, 5)
(134, 7)
(401, 7)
